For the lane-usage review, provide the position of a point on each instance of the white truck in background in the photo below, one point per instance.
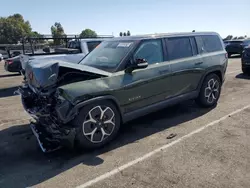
(76, 50)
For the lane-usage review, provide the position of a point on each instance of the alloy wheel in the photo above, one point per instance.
(212, 90)
(99, 124)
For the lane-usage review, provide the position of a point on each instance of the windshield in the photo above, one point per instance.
(108, 55)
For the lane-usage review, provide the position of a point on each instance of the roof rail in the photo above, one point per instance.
(65, 37)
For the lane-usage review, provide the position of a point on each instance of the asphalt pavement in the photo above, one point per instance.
(209, 147)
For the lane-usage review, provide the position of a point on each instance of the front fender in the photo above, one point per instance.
(80, 91)
(67, 112)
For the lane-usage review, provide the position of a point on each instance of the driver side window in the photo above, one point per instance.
(151, 50)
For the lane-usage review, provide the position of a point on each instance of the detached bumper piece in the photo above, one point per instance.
(46, 143)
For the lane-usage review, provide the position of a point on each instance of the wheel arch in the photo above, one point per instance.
(216, 71)
(110, 98)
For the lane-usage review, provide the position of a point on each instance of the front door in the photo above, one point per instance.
(146, 86)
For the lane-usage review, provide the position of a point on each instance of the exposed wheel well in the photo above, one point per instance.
(218, 73)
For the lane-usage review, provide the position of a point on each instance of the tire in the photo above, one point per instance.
(210, 91)
(91, 135)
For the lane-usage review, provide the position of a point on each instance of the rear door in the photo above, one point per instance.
(186, 64)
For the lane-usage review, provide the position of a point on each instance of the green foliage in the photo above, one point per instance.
(13, 28)
(229, 37)
(125, 33)
(57, 31)
(88, 33)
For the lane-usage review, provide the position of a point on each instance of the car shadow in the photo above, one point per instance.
(8, 92)
(10, 75)
(243, 76)
(22, 160)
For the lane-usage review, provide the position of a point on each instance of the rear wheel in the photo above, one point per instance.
(210, 91)
(98, 124)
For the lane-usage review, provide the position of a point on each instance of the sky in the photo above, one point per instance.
(138, 16)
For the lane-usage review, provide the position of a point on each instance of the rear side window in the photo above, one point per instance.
(179, 47)
(92, 45)
(211, 43)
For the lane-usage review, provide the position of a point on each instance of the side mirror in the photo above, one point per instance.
(138, 64)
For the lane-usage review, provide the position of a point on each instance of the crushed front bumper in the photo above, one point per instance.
(52, 140)
(45, 144)
(50, 132)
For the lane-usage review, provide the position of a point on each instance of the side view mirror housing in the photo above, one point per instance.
(138, 64)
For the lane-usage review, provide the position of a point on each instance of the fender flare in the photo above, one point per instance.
(212, 70)
(73, 112)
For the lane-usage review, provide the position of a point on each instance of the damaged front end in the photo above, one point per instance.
(52, 112)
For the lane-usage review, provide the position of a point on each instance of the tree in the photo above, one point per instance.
(57, 31)
(13, 28)
(120, 34)
(229, 37)
(88, 33)
(128, 33)
(124, 34)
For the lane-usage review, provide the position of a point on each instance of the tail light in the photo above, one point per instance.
(226, 55)
(9, 62)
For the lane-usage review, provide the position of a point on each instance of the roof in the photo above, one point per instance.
(89, 39)
(160, 35)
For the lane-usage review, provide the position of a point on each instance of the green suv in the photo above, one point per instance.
(124, 78)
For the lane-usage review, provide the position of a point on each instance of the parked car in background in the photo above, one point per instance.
(245, 60)
(13, 64)
(4, 54)
(81, 45)
(84, 104)
(236, 46)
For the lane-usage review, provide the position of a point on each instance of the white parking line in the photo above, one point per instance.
(150, 154)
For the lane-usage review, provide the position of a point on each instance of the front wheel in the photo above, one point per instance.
(98, 124)
(210, 91)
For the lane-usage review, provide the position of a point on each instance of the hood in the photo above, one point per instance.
(71, 58)
(42, 74)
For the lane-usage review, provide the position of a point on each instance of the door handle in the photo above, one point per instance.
(198, 63)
